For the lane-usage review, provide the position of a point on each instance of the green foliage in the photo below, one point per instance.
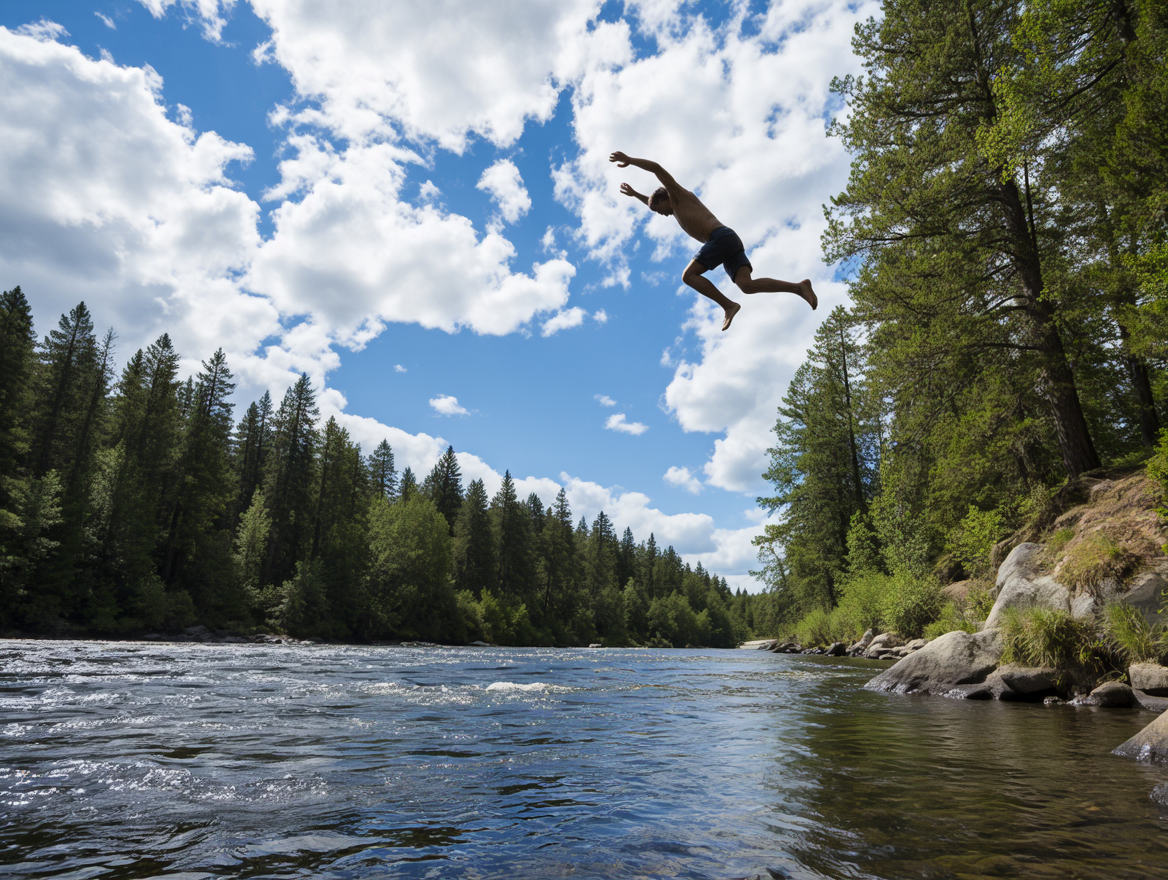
(911, 605)
(863, 603)
(974, 538)
(1158, 471)
(820, 627)
(952, 618)
(1094, 559)
(1053, 638)
(1130, 635)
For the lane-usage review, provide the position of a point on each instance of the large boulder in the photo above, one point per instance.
(1150, 744)
(1109, 695)
(1151, 678)
(954, 659)
(1023, 584)
(1146, 591)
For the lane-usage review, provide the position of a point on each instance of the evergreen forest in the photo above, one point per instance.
(138, 503)
(1004, 235)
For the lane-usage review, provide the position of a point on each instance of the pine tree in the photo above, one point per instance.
(954, 248)
(289, 480)
(475, 566)
(513, 548)
(196, 549)
(443, 486)
(253, 440)
(408, 486)
(17, 375)
(381, 471)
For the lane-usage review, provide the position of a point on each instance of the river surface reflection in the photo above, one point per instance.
(126, 760)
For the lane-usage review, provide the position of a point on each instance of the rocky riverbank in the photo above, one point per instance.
(1103, 551)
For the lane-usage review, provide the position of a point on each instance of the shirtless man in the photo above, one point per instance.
(721, 246)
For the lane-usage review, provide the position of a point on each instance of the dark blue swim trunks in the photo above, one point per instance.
(724, 248)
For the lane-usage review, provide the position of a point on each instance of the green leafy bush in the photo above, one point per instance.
(862, 602)
(911, 604)
(1051, 637)
(974, 538)
(953, 617)
(1130, 635)
(822, 627)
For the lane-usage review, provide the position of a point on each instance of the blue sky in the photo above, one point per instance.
(412, 203)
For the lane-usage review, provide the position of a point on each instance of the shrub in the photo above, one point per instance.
(1158, 471)
(1130, 635)
(953, 617)
(911, 604)
(862, 601)
(974, 538)
(1051, 637)
(822, 627)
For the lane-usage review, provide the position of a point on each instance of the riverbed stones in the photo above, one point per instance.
(1030, 682)
(1150, 745)
(862, 645)
(956, 658)
(882, 645)
(1023, 584)
(1160, 794)
(837, 649)
(1151, 678)
(1109, 695)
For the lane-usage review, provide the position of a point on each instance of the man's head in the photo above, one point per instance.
(660, 203)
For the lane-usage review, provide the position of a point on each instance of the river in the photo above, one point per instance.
(135, 760)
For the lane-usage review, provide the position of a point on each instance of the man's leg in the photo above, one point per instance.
(694, 277)
(771, 285)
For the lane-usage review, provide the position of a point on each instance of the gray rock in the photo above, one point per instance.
(1054, 701)
(1152, 704)
(1151, 678)
(1112, 695)
(1160, 794)
(1023, 584)
(1150, 744)
(862, 645)
(956, 658)
(1027, 681)
(916, 644)
(883, 642)
(837, 649)
(1146, 590)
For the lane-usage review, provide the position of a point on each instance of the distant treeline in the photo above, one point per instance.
(1005, 228)
(137, 503)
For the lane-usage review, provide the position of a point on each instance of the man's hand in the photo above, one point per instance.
(627, 190)
(622, 161)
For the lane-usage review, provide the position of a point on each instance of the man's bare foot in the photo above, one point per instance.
(731, 311)
(808, 294)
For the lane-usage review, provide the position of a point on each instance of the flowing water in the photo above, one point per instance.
(122, 760)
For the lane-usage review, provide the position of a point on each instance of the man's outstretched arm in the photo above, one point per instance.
(623, 161)
(629, 191)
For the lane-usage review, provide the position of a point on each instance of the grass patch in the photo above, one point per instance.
(1057, 542)
(1131, 636)
(1092, 560)
(1050, 637)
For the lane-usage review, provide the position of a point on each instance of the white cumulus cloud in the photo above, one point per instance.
(446, 405)
(503, 182)
(619, 422)
(563, 320)
(682, 478)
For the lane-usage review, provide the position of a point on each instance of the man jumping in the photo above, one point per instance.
(721, 245)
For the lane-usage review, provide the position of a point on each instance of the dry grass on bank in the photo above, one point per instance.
(1113, 534)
